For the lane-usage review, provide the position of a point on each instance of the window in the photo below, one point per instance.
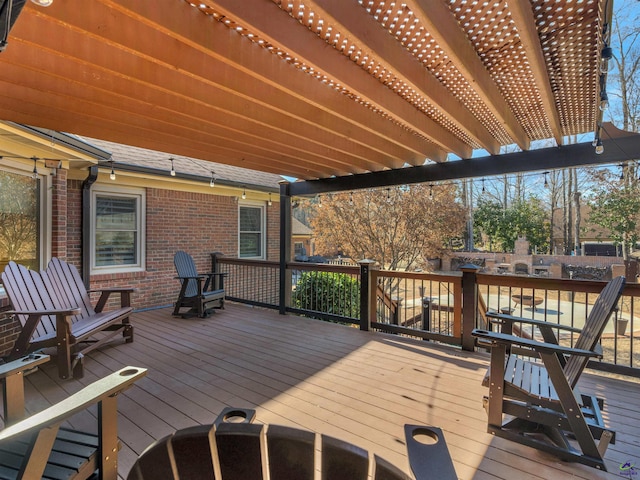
(22, 219)
(298, 249)
(118, 236)
(251, 232)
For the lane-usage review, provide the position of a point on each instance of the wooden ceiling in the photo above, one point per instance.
(309, 88)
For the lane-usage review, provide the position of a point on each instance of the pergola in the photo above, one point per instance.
(361, 92)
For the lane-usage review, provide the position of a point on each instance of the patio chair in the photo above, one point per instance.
(54, 309)
(39, 447)
(201, 293)
(239, 450)
(539, 394)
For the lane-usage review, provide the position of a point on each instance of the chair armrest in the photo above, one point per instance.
(196, 277)
(505, 339)
(12, 375)
(62, 311)
(108, 386)
(530, 321)
(22, 364)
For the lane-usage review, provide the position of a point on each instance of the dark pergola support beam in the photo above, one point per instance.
(619, 146)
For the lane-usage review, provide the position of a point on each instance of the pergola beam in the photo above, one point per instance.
(619, 146)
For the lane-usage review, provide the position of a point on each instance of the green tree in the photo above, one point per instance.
(502, 226)
(328, 292)
(617, 210)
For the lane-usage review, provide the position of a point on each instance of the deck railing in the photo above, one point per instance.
(438, 307)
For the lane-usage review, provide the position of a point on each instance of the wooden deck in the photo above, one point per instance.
(358, 386)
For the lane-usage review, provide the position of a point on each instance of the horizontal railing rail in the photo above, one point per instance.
(434, 306)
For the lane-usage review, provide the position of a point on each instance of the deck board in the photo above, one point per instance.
(361, 387)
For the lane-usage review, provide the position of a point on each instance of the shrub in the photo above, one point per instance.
(328, 292)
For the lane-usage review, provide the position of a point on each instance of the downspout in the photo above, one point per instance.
(285, 246)
(86, 224)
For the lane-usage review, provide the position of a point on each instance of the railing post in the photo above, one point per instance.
(215, 268)
(365, 293)
(469, 305)
(284, 296)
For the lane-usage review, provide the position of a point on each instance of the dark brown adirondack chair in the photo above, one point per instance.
(545, 409)
(39, 447)
(240, 451)
(54, 309)
(201, 293)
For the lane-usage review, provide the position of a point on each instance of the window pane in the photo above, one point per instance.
(115, 248)
(250, 245)
(115, 213)
(19, 220)
(250, 219)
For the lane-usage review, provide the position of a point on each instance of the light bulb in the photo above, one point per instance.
(43, 3)
(244, 194)
(173, 170)
(599, 147)
(269, 202)
(112, 175)
(212, 182)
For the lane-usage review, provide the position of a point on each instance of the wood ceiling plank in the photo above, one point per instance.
(277, 27)
(169, 80)
(129, 97)
(522, 16)
(436, 17)
(218, 41)
(350, 20)
(74, 112)
(149, 137)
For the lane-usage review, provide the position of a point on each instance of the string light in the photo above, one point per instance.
(320, 201)
(622, 165)
(269, 202)
(35, 169)
(483, 189)
(244, 193)
(546, 183)
(388, 194)
(351, 198)
(173, 170)
(599, 147)
(212, 182)
(112, 175)
(431, 190)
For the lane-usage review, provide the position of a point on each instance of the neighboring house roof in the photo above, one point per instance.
(300, 229)
(160, 161)
(589, 231)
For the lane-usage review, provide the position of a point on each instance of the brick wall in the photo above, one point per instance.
(197, 223)
(59, 214)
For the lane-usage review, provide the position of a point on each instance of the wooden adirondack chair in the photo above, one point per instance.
(240, 451)
(38, 447)
(199, 292)
(545, 408)
(55, 310)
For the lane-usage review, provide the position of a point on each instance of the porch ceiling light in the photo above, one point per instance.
(43, 3)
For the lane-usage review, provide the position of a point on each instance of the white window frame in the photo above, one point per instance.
(263, 228)
(127, 192)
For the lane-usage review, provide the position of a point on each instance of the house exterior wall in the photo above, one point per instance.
(197, 223)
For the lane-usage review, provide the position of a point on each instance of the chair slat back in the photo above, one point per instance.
(69, 288)
(29, 290)
(186, 267)
(598, 317)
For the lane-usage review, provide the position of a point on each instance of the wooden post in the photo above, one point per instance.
(215, 268)
(469, 305)
(366, 287)
(284, 297)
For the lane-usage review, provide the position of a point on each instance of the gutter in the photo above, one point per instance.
(86, 224)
